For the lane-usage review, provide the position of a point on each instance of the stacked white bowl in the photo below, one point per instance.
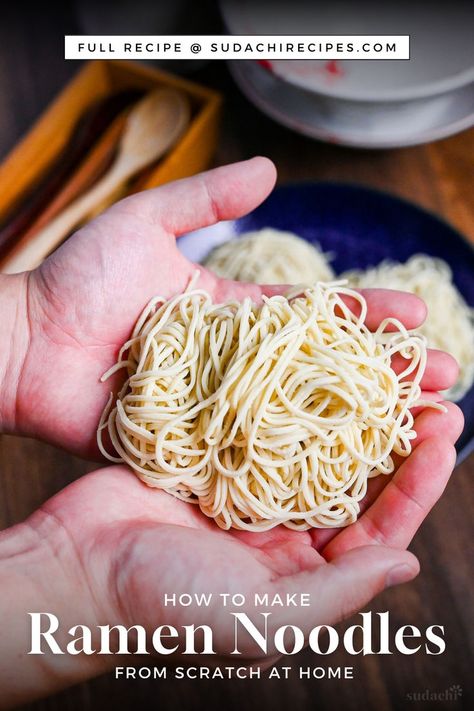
(367, 103)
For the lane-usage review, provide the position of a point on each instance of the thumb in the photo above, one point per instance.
(223, 193)
(346, 584)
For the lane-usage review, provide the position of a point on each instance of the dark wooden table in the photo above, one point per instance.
(439, 177)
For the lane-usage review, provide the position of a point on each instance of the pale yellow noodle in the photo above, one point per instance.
(264, 414)
(270, 256)
(449, 325)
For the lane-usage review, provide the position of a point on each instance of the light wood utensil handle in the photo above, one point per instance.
(91, 169)
(152, 128)
(58, 229)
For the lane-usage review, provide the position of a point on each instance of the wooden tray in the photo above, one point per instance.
(95, 80)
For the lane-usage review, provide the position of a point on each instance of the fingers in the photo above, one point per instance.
(387, 303)
(441, 371)
(381, 303)
(220, 194)
(404, 503)
(432, 423)
(344, 586)
(428, 424)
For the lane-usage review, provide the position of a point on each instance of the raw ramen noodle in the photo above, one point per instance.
(270, 256)
(277, 413)
(449, 325)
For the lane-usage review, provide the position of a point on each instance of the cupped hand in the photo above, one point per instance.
(127, 547)
(82, 302)
(107, 549)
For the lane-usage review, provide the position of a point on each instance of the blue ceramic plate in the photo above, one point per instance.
(360, 227)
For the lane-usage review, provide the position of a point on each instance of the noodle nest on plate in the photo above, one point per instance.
(449, 325)
(270, 256)
(267, 414)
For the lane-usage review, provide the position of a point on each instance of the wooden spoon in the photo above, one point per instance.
(17, 215)
(92, 168)
(152, 127)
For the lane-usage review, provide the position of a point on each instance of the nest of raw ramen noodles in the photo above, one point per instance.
(276, 413)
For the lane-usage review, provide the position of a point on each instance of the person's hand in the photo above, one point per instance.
(80, 305)
(107, 549)
(74, 312)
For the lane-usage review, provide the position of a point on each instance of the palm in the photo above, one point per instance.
(83, 302)
(154, 544)
(81, 343)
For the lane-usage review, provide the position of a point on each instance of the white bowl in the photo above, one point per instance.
(356, 123)
(369, 103)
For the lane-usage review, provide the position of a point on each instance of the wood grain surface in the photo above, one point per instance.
(439, 177)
